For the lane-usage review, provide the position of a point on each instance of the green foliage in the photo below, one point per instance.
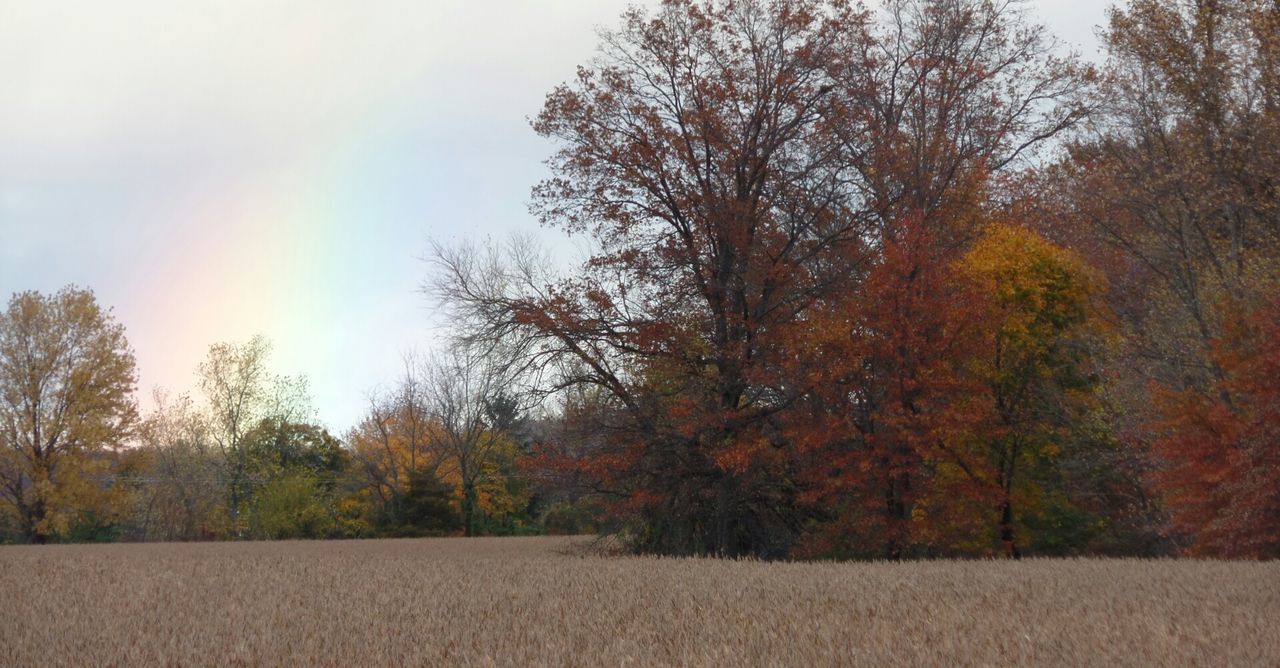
(292, 505)
(276, 446)
(1057, 527)
(429, 508)
(91, 527)
(296, 467)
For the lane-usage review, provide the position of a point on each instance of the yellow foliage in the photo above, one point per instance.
(390, 446)
(1041, 296)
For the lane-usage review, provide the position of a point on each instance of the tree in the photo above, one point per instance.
(1181, 175)
(948, 99)
(240, 393)
(894, 388)
(1177, 191)
(469, 399)
(945, 93)
(291, 504)
(1221, 479)
(277, 446)
(738, 166)
(1037, 364)
(394, 443)
(66, 394)
(298, 466)
(696, 154)
(183, 490)
(430, 506)
(451, 422)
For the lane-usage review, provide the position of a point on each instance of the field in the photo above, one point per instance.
(520, 601)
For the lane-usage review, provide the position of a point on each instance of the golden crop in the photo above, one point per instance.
(529, 601)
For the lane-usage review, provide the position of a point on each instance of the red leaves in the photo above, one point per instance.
(776, 193)
(1222, 445)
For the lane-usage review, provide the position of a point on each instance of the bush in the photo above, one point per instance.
(291, 506)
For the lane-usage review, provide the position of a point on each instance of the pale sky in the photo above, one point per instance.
(216, 169)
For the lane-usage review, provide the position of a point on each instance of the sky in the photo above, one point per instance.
(216, 169)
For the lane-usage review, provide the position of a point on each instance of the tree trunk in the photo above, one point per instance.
(469, 508)
(720, 545)
(1006, 530)
(34, 519)
(897, 515)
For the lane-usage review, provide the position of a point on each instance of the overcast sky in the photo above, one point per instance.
(214, 170)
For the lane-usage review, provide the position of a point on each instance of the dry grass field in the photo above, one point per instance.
(522, 601)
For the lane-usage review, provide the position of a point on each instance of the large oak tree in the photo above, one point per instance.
(739, 167)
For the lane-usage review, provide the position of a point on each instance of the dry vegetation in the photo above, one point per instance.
(526, 601)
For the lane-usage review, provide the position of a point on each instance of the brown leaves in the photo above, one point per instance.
(774, 193)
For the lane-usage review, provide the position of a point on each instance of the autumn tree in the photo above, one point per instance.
(1221, 471)
(696, 154)
(469, 398)
(948, 101)
(399, 470)
(1177, 192)
(66, 395)
(893, 388)
(393, 446)
(183, 492)
(737, 165)
(443, 438)
(1181, 176)
(1037, 364)
(241, 392)
(943, 96)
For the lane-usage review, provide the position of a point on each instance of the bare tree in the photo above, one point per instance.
(183, 488)
(471, 396)
(1181, 179)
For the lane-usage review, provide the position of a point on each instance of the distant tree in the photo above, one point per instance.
(291, 504)
(240, 393)
(468, 394)
(296, 467)
(1221, 472)
(391, 444)
(1175, 193)
(1181, 177)
(277, 446)
(66, 393)
(430, 507)
(183, 492)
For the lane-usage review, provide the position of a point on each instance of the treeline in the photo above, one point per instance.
(863, 284)
(244, 458)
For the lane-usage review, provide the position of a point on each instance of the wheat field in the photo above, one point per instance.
(535, 601)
